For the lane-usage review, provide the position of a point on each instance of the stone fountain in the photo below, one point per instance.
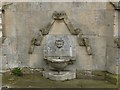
(59, 52)
(59, 49)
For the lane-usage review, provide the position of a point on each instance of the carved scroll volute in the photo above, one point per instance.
(84, 41)
(88, 47)
(32, 46)
(36, 41)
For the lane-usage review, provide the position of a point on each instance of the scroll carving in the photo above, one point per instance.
(83, 41)
(36, 41)
(32, 46)
(88, 47)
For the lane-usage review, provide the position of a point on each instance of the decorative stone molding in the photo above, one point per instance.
(73, 31)
(88, 47)
(84, 41)
(116, 5)
(59, 43)
(36, 41)
(46, 30)
(5, 6)
(31, 48)
(80, 39)
(117, 42)
(59, 15)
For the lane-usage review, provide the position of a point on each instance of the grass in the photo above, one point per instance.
(38, 81)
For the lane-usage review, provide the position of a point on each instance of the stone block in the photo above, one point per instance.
(61, 76)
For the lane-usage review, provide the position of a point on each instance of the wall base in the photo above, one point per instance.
(113, 78)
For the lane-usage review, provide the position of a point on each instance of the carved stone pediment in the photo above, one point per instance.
(61, 15)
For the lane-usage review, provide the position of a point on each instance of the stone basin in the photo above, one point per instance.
(58, 60)
(58, 64)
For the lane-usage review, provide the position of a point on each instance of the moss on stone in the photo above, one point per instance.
(99, 75)
(84, 74)
(113, 78)
(38, 81)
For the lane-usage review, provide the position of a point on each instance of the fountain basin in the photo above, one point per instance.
(58, 64)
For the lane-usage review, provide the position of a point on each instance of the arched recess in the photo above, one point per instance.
(82, 41)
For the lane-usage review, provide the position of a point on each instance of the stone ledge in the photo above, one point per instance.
(98, 75)
(88, 74)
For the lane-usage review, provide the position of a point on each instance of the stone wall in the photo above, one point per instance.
(23, 21)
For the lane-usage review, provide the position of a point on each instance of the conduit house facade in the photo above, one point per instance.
(93, 26)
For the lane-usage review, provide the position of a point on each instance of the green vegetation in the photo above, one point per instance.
(17, 72)
(38, 81)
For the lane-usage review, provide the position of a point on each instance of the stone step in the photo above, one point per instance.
(61, 76)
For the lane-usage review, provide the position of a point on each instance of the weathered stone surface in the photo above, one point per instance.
(61, 76)
(98, 75)
(88, 74)
(67, 50)
(24, 20)
(84, 74)
(113, 78)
